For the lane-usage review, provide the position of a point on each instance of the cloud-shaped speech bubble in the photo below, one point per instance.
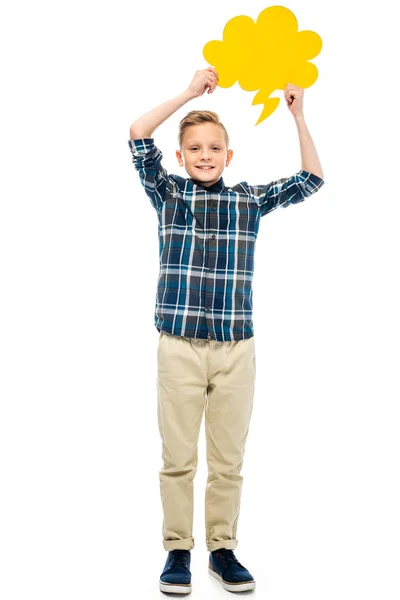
(265, 55)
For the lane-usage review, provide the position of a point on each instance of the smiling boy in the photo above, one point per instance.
(206, 352)
(205, 152)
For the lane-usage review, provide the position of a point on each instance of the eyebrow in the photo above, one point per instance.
(196, 142)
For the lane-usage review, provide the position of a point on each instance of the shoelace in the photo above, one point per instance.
(179, 557)
(227, 557)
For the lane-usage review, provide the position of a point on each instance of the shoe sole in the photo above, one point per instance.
(175, 588)
(233, 587)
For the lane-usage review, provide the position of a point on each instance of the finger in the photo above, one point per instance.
(211, 82)
(214, 72)
(296, 91)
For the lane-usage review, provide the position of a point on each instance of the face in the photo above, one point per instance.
(204, 146)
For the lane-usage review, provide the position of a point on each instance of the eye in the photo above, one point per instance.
(195, 148)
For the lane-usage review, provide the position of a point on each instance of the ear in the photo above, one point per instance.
(179, 158)
(229, 157)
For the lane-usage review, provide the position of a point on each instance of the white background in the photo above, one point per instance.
(80, 449)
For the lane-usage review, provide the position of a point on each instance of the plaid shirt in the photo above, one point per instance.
(207, 239)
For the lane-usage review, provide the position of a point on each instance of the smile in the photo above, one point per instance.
(205, 168)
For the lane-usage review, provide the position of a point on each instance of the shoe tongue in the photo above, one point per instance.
(228, 554)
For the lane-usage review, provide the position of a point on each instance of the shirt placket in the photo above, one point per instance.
(211, 241)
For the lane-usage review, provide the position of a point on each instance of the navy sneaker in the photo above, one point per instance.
(224, 565)
(176, 576)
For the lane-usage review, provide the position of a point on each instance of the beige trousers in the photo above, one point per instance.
(195, 376)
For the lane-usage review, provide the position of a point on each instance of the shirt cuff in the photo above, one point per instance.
(141, 144)
(312, 182)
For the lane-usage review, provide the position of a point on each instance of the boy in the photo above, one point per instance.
(206, 353)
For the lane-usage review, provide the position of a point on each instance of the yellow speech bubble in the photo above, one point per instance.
(265, 55)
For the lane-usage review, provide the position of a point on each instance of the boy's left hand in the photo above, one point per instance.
(294, 99)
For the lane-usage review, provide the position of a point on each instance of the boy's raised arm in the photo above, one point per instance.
(145, 125)
(294, 96)
(146, 157)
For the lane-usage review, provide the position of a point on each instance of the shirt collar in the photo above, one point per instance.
(218, 186)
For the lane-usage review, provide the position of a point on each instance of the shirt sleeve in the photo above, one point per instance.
(286, 191)
(146, 158)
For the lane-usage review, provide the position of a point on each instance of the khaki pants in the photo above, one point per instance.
(197, 375)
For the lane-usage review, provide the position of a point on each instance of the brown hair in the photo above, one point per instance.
(196, 117)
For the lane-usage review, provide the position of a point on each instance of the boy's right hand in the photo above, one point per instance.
(206, 78)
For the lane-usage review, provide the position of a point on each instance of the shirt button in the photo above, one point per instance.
(213, 237)
(211, 269)
(214, 207)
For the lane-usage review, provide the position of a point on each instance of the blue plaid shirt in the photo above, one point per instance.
(207, 239)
